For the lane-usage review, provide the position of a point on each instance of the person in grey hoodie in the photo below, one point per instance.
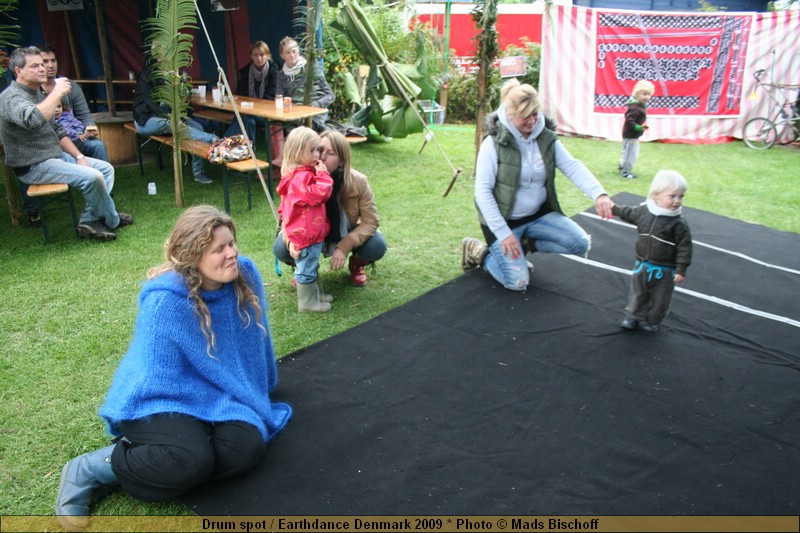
(515, 191)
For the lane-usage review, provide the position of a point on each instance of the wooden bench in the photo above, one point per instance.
(46, 193)
(200, 149)
(141, 142)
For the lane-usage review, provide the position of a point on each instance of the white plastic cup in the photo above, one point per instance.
(216, 94)
(279, 102)
(201, 91)
(151, 188)
(131, 75)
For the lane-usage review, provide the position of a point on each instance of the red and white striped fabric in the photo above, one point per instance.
(701, 63)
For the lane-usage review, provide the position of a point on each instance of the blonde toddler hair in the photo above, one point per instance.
(667, 180)
(298, 144)
(643, 86)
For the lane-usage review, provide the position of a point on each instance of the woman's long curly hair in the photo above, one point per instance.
(183, 250)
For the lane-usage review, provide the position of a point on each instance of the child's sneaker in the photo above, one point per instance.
(629, 323)
(650, 328)
(627, 175)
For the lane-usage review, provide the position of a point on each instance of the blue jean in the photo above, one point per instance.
(95, 183)
(95, 148)
(553, 233)
(372, 249)
(308, 264)
(162, 126)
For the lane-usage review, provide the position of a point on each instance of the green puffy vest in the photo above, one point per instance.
(509, 164)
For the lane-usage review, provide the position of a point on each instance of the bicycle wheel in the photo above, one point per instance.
(759, 133)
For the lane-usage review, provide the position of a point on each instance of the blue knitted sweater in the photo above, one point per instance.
(167, 369)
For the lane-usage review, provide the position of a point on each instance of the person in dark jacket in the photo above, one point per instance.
(634, 126)
(152, 118)
(291, 81)
(663, 250)
(256, 80)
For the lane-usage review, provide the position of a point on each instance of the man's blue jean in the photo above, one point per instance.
(95, 148)
(553, 233)
(372, 250)
(250, 125)
(308, 264)
(95, 183)
(162, 126)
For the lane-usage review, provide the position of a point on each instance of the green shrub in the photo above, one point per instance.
(462, 89)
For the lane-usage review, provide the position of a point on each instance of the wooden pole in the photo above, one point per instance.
(101, 35)
(76, 62)
(233, 70)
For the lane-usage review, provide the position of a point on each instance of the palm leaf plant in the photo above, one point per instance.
(385, 77)
(309, 18)
(170, 53)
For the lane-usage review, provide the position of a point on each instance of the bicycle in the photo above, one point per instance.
(783, 122)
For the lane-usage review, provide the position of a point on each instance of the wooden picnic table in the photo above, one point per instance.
(265, 109)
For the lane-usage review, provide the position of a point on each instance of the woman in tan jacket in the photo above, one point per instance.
(351, 212)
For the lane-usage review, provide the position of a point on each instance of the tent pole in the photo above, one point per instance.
(233, 71)
(101, 35)
(72, 48)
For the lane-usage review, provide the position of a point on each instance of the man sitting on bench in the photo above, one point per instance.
(151, 118)
(39, 150)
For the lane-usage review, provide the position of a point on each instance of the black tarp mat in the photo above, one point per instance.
(476, 400)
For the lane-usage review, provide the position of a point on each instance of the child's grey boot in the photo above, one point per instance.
(310, 299)
(84, 480)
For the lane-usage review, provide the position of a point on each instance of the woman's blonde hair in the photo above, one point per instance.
(184, 249)
(342, 148)
(260, 45)
(521, 99)
(285, 42)
(667, 180)
(296, 147)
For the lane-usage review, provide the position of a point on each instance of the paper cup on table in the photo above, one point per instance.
(201, 91)
(216, 94)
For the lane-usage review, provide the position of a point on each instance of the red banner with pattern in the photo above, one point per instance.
(695, 61)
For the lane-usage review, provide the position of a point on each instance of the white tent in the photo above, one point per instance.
(701, 63)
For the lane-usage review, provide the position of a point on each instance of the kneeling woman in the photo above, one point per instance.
(351, 211)
(190, 399)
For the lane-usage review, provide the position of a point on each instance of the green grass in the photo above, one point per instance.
(69, 307)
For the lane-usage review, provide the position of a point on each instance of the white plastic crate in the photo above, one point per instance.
(432, 112)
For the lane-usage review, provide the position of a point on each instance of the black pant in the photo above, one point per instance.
(168, 454)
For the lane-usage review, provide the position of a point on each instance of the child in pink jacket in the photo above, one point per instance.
(304, 188)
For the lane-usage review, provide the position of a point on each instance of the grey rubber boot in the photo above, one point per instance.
(309, 298)
(84, 480)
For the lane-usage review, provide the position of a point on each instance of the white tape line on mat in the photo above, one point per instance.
(699, 295)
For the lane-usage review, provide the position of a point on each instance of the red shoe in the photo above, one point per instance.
(357, 275)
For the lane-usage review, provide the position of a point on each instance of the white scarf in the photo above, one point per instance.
(295, 70)
(660, 211)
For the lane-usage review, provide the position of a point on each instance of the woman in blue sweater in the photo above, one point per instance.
(190, 399)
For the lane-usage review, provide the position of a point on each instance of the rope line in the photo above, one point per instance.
(226, 89)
